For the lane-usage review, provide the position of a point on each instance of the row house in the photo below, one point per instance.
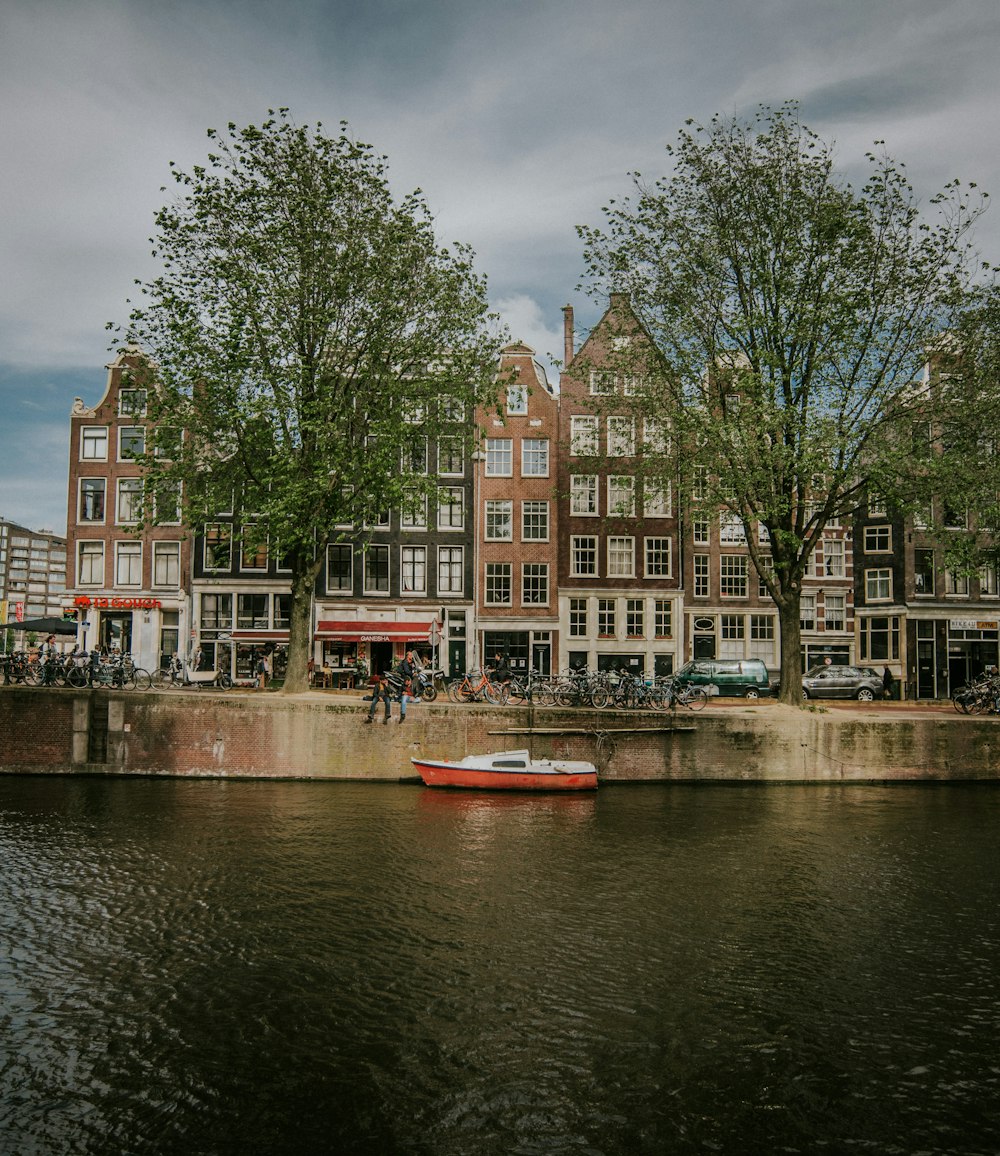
(620, 567)
(517, 534)
(130, 590)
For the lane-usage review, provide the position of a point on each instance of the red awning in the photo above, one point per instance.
(353, 630)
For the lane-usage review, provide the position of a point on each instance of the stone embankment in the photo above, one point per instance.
(322, 736)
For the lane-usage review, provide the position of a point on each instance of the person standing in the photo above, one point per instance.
(888, 682)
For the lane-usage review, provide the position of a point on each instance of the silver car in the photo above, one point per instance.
(860, 682)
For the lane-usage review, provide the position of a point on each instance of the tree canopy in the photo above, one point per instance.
(790, 314)
(305, 327)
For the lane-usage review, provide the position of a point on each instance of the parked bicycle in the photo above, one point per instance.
(478, 687)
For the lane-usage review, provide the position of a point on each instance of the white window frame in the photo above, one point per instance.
(657, 499)
(583, 496)
(448, 524)
(655, 550)
(451, 559)
(94, 552)
(499, 520)
(620, 556)
(94, 437)
(538, 573)
(413, 570)
(621, 496)
(583, 545)
(128, 556)
(341, 590)
(621, 436)
(167, 565)
(499, 458)
(878, 584)
(534, 457)
(502, 573)
(383, 552)
(534, 516)
(584, 435)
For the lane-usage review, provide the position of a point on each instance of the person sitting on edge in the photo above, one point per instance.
(380, 689)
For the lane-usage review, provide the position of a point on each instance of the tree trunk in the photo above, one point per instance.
(300, 631)
(789, 623)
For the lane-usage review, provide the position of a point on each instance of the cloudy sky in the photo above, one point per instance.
(518, 119)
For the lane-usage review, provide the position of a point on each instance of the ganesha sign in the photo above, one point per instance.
(117, 603)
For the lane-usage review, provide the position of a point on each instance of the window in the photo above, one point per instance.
(583, 556)
(499, 457)
(252, 612)
(583, 494)
(535, 584)
(339, 569)
(131, 402)
(621, 557)
(535, 458)
(956, 583)
(129, 504)
(92, 499)
(413, 515)
(731, 530)
(414, 455)
(733, 576)
(606, 626)
(662, 618)
(253, 555)
(701, 531)
(534, 521)
(94, 443)
(923, 572)
(834, 611)
(167, 443)
(167, 502)
(699, 484)
(450, 566)
(732, 627)
(762, 627)
(499, 521)
(131, 442)
(216, 611)
(621, 496)
(878, 539)
(167, 564)
(218, 546)
(658, 558)
(578, 618)
(517, 400)
(807, 612)
(451, 456)
(988, 581)
(601, 382)
(654, 436)
(621, 436)
(879, 639)
(90, 564)
(376, 569)
(635, 618)
(878, 585)
(451, 510)
(833, 559)
(657, 499)
(702, 586)
(498, 584)
(452, 409)
(413, 570)
(955, 518)
(582, 435)
(282, 611)
(128, 563)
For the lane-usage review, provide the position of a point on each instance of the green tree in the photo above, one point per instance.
(305, 328)
(791, 314)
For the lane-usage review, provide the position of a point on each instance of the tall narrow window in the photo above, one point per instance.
(413, 570)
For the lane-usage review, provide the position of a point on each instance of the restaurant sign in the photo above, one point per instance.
(118, 603)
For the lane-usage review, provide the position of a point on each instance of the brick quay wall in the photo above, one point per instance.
(198, 733)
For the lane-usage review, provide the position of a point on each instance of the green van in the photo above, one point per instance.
(733, 677)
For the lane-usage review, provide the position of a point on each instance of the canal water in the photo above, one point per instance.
(249, 967)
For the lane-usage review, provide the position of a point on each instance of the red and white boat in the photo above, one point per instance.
(509, 771)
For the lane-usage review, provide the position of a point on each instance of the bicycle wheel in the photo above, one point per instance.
(225, 681)
(143, 679)
(516, 692)
(695, 698)
(76, 678)
(497, 693)
(162, 679)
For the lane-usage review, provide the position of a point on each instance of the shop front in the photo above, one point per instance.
(250, 646)
(149, 629)
(353, 649)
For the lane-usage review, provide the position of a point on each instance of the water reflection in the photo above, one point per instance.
(267, 967)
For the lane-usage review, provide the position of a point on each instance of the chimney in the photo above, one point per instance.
(567, 335)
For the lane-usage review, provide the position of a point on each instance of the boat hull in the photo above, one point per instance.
(435, 774)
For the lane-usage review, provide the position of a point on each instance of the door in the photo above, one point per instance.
(926, 665)
(704, 646)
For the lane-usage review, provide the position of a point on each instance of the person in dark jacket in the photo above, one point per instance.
(380, 690)
(888, 682)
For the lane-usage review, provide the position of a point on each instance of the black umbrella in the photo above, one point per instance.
(45, 625)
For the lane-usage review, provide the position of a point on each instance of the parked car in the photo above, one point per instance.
(735, 677)
(860, 682)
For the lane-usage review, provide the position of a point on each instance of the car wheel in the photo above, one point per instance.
(752, 694)
(866, 695)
